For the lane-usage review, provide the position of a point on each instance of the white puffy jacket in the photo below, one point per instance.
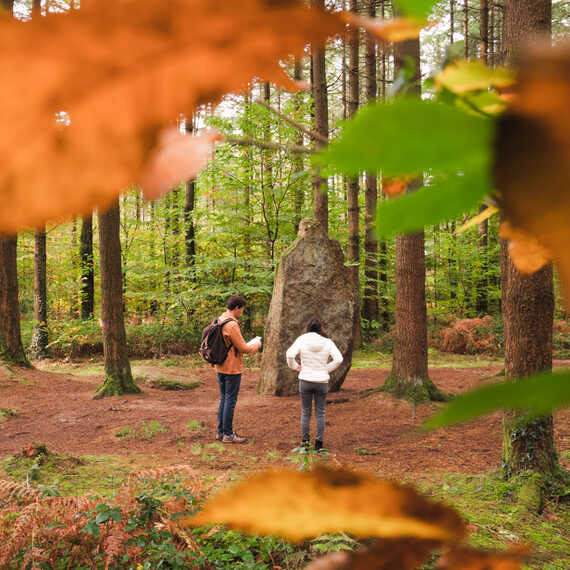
(315, 352)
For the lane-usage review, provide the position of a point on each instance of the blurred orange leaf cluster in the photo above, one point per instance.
(86, 94)
(532, 162)
(300, 505)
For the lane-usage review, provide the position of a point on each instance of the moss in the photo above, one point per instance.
(413, 391)
(116, 386)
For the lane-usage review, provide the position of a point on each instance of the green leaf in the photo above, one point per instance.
(446, 198)
(540, 394)
(416, 8)
(409, 135)
(463, 76)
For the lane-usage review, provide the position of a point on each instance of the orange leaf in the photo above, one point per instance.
(85, 95)
(395, 30)
(176, 159)
(327, 500)
(532, 155)
(527, 254)
(397, 185)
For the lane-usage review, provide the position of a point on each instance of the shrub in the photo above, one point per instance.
(471, 336)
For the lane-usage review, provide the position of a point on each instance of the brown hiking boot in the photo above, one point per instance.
(234, 438)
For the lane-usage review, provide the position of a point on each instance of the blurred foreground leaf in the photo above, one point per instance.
(86, 94)
(298, 505)
(448, 197)
(462, 76)
(416, 8)
(409, 136)
(537, 395)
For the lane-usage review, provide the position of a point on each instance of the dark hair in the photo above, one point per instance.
(314, 325)
(235, 301)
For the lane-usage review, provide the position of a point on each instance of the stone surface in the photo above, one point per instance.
(311, 281)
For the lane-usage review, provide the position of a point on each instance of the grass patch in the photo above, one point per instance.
(146, 430)
(363, 451)
(6, 413)
(67, 475)
(488, 504)
(196, 425)
(167, 384)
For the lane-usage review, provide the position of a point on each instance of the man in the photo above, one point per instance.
(230, 371)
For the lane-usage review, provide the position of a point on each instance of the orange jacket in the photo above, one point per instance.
(232, 335)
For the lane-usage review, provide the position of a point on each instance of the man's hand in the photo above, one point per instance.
(298, 369)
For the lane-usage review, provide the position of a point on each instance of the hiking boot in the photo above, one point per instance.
(234, 438)
(219, 436)
(318, 444)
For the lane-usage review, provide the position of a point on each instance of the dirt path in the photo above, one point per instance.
(375, 433)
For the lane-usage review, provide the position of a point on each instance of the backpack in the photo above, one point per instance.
(213, 348)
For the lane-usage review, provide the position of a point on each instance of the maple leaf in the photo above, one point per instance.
(532, 153)
(327, 501)
(86, 94)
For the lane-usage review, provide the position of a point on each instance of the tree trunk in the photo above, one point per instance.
(370, 305)
(87, 269)
(466, 27)
(481, 280)
(40, 333)
(527, 300)
(11, 349)
(118, 376)
(484, 31)
(409, 377)
(298, 161)
(320, 98)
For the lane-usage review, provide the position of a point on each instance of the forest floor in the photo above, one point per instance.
(53, 405)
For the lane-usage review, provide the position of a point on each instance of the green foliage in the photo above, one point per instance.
(305, 456)
(444, 198)
(537, 395)
(147, 430)
(6, 413)
(416, 8)
(231, 549)
(333, 543)
(409, 135)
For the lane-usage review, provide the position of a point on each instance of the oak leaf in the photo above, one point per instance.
(532, 153)
(86, 94)
(298, 505)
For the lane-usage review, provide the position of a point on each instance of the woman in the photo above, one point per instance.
(315, 349)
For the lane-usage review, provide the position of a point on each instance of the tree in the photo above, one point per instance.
(87, 286)
(528, 300)
(409, 376)
(118, 376)
(370, 301)
(40, 335)
(320, 99)
(11, 348)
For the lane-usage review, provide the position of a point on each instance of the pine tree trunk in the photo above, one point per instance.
(409, 377)
(40, 333)
(298, 162)
(320, 98)
(370, 305)
(11, 348)
(484, 31)
(527, 300)
(87, 269)
(481, 280)
(118, 376)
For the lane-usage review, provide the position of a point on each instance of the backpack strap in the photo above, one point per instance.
(225, 321)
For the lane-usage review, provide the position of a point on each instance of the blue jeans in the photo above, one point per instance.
(308, 391)
(229, 390)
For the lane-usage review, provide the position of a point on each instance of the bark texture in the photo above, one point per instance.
(87, 269)
(11, 349)
(311, 281)
(40, 334)
(527, 300)
(118, 376)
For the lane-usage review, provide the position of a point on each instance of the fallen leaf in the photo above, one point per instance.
(176, 158)
(396, 185)
(527, 253)
(86, 94)
(532, 153)
(403, 554)
(463, 76)
(472, 559)
(298, 505)
(394, 30)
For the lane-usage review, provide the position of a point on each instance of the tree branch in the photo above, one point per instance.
(295, 149)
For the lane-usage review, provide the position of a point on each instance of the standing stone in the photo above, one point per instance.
(312, 281)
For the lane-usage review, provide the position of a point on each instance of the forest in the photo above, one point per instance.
(398, 169)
